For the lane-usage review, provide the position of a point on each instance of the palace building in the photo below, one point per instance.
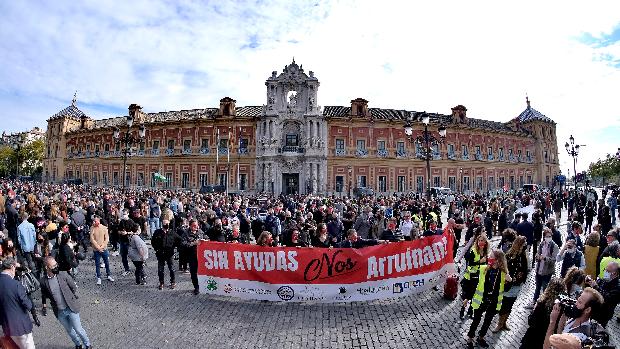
(293, 145)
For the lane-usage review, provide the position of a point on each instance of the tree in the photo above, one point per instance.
(29, 157)
(605, 169)
(7, 161)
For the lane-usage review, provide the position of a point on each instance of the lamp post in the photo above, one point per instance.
(128, 140)
(461, 178)
(427, 138)
(17, 145)
(350, 171)
(573, 151)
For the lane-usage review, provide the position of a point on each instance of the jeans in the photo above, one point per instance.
(541, 283)
(124, 252)
(193, 270)
(161, 263)
(490, 314)
(71, 322)
(140, 276)
(98, 256)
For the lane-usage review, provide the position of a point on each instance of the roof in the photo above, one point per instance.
(403, 115)
(71, 111)
(531, 114)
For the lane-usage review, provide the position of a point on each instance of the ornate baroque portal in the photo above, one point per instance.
(291, 154)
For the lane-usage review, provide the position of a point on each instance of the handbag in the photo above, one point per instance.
(29, 281)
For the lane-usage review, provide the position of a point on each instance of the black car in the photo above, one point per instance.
(206, 189)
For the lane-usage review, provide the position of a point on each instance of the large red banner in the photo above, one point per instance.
(236, 264)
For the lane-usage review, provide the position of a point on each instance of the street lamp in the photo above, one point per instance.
(427, 138)
(350, 171)
(17, 145)
(127, 139)
(573, 151)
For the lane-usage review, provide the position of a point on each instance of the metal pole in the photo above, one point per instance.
(428, 164)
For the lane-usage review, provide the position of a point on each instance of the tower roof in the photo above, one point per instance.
(71, 112)
(531, 114)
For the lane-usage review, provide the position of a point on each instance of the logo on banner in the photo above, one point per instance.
(211, 285)
(286, 293)
(343, 290)
(398, 287)
(228, 288)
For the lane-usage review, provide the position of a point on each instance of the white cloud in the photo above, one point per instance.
(422, 55)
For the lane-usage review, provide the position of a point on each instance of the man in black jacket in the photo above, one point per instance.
(14, 306)
(164, 241)
(353, 241)
(61, 290)
(190, 242)
(609, 288)
(12, 221)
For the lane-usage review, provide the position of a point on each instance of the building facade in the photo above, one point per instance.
(293, 145)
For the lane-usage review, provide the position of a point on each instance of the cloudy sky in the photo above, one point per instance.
(417, 55)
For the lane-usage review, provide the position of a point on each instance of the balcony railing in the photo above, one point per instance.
(155, 152)
(512, 158)
(87, 154)
(490, 157)
(243, 151)
(519, 158)
(341, 152)
(361, 153)
(205, 151)
(529, 159)
(97, 154)
(140, 152)
(117, 153)
(500, 157)
(401, 153)
(478, 157)
(382, 153)
(222, 150)
(436, 155)
(465, 156)
(451, 156)
(291, 149)
(169, 152)
(187, 151)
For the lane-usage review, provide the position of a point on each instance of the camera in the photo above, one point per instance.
(565, 301)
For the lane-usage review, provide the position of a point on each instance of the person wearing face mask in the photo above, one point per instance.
(570, 256)
(576, 319)
(190, 241)
(14, 306)
(321, 237)
(353, 241)
(216, 232)
(60, 288)
(609, 287)
(164, 241)
(546, 258)
(575, 234)
(488, 296)
(124, 231)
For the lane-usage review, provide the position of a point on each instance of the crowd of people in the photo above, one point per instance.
(49, 230)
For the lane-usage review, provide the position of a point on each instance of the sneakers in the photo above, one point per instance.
(125, 273)
(462, 313)
(98, 281)
(470, 345)
(101, 265)
(115, 253)
(173, 286)
(110, 278)
(196, 292)
(161, 286)
(481, 342)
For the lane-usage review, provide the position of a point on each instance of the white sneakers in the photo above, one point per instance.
(115, 253)
(98, 281)
(110, 278)
(125, 273)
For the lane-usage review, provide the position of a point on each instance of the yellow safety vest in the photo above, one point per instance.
(604, 262)
(479, 294)
(472, 269)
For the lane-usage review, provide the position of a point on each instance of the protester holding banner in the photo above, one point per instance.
(189, 242)
(354, 241)
(488, 296)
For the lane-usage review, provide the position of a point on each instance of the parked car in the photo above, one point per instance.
(206, 189)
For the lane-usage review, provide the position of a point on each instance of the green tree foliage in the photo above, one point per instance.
(606, 168)
(29, 157)
(7, 161)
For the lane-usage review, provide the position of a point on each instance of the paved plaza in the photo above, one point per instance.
(124, 315)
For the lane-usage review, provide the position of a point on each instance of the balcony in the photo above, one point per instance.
(96, 154)
(155, 152)
(187, 151)
(205, 151)
(117, 153)
(140, 152)
(169, 152)
(512, 158)
(490, 157)
(222, 150)
(341, 152)
(436, 155)
(478, 157)
(501, 157)
(451, 156)
(291, 149)
(529, 159)
(519, 158)
(106, 153)
(382, 153)
(242, 151)
(401, 154)
(465, 157)
(361, 153)
(87, 154)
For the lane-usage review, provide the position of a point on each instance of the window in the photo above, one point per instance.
(117, 147)
(185, 180)
(97, 148)
(402, 184)
(115, 178)
(243, 179)
(204, 179)
(85, 177)
(546, 156)
(361, 144)
(222, 179)
(339, 144)
(243, 143)
(155, 145)
(478, 150)
(500, 182)
(141, 146)
(510, 152)
(512, 182)
(140, 179)
(464, 150)
(529, 178)
(381, 145)
(465, 184)
(382, 184)
(339, 184)
(490, 151)
(168, 180)
(451, 149)
(106, 147)
(436, 181)
(153, 181)
(223, 143)
(519, 153)
(171, 144)
(361, 181)
(501, 153)
(292, 140)
(479, 183)
(187, 144)
(87, 147)
(419, 181)
(418, 148)
(491, 183)
(452, 183)
(104, 177)
(521, 182)
(400, 147)
(528, 154)
(127, 178)
(204, 143)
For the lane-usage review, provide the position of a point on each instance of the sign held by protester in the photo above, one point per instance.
(324, 275)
